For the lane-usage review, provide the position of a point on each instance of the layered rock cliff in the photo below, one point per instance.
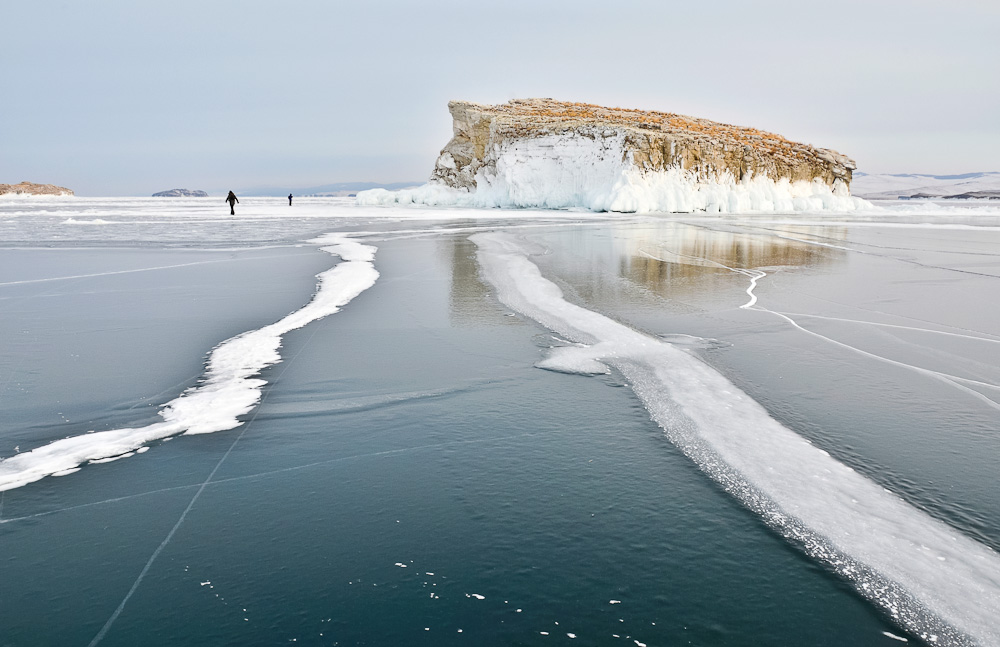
(645, 141)
(30, 188)
(541, 153)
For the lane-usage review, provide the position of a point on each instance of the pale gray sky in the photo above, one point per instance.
(127, 97)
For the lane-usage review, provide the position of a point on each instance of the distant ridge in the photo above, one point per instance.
(893, 186)
(180, 193)
(961, 176)
(31, 188)
(335, 189)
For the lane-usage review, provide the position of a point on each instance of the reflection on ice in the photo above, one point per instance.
(468, 293)
(669, 256)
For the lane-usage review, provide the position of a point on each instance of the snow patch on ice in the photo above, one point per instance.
(573, 171)
(95, 221)
(578, 360)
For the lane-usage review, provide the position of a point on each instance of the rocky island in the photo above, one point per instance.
(180, 193)
(555, 154)
(30, 188)
(648, 141)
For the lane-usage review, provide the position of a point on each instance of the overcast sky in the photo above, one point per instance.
(127, 97)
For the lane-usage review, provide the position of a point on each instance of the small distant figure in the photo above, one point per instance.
(289, 199)
(232, 200)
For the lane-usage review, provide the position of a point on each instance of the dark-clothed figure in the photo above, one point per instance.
(232, 200)
(289, 199)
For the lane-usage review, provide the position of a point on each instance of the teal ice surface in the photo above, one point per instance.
(410, 474)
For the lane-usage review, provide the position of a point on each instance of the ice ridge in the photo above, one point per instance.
(930, 578)
(230, 387)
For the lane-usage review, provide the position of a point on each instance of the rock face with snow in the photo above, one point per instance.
(543, 153)
(649, 141)
(30, 188)
(180, 193)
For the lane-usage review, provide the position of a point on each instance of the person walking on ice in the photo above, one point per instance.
(232, 200)
(289, 199)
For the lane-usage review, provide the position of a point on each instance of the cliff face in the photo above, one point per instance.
(546, 154)
(642, 140)
(30, 188)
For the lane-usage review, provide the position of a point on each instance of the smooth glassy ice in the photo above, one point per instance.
(831, 375)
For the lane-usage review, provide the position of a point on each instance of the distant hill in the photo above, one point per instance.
(892, 186)
(336, 189)
(180, 193)
(30, 188)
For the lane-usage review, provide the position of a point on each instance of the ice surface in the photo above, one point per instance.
(229, 388)
(565, 172)
(926, 575)
(702, 413)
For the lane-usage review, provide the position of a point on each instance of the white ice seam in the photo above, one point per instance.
(929, 577)
(229, 389)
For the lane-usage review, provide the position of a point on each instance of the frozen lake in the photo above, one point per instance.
(494, 427)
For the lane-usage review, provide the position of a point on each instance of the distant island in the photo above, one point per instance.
(968, 195)
(180, 193)
(338, 189)
(983, 185)
(30, 188)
